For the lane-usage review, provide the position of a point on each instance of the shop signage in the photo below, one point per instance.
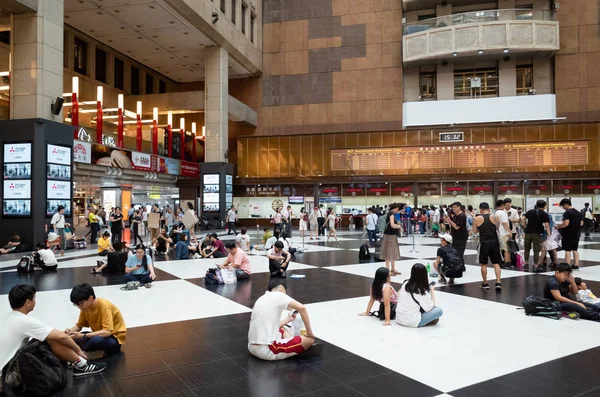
(141, 161)
(263, 191)
(19, 189)
(58, 190)
(82, 135)
(170, 166)
(190, 169)
(82, 152)
(59, 154)
(17, 152)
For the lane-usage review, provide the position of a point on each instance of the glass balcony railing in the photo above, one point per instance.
(478, 17)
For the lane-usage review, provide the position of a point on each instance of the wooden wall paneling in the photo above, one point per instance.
(478, 135)
(492, 136)
(284, 156)
(352, 140)
(387, 139)
(294, 157)
(273, 167)
(591, 131)
(306, 156)
(317, 155)
(428, 137)
(339, 140)
(256, 154)
(327, 145)
(400, 138)
(242, 157)
(561, 131)
(375, 139)
(412, 138)
(576, 131)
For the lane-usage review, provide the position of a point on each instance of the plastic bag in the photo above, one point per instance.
(229, 276)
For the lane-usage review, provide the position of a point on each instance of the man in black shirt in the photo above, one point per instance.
(570, 229)
(535, 222)
(458, 230)
(116, 227)
(558, 288)
(489, 247)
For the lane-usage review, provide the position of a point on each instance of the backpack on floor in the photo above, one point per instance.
(363, 252)
(538, 306)
(213, 276)
(452, 266)
(380, 314)
(519, 260)
(35, 371)
(79, 244)
(26, 264)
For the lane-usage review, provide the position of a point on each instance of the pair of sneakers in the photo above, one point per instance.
(89, 369)
(486, 286)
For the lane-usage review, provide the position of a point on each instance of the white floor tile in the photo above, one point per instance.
(478, 339)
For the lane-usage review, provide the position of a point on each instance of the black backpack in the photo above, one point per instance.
(538, 306)
(26, 264)
(35, 371)
(452, 266)
(363, 252)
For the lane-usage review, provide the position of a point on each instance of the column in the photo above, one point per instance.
(216, 96)
(507, 77)
(445, 81)
(37, 61)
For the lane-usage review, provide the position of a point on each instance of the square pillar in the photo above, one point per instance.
(216, 95)
(445, 81)
(37, 61)
(507, 77)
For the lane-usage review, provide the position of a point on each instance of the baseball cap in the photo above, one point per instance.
(446, 237)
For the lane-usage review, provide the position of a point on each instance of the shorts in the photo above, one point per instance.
(503, 241)
(489, 251)
(278, 350)
(570, 244)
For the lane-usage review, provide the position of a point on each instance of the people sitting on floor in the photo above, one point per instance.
(13, 245)
(266, 238)
(45, 258)
(139, 267)
(442, 261)
(115, 261)
(205, 248)
(416, 300)
(279, 259)
(18, 327)
(558, 288)
(243, 239)
(102, 317)
(105, 245)
(268, 338)
(217, 249)
(162, 243)
(237, 260)
(382, 291)
(267, 234)
(182, 250)
(584, 294)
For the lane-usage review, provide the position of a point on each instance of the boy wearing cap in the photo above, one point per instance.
(489, 246)
(442, 256)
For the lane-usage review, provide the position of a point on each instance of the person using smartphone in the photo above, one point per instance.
(416, 300)
(139, 267)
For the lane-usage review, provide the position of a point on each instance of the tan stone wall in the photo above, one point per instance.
(577, 75)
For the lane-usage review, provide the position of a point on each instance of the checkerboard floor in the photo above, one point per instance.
(186, 338)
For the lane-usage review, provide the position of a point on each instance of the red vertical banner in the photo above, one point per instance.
(155, 138)
(139, 133)
(182, 145)
(75, 115)
(170, 140)
(120, 129)
(99, 122)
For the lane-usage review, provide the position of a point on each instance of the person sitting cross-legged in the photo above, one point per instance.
(18, 327)
(237, 260)
(279, 259)
(115, 260)
(162, 243)
(139, 267)
(103, 317)
(268, 338)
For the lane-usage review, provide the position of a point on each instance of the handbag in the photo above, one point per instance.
(512, 246)
(380, 314)
(67, 233)
(229, 276)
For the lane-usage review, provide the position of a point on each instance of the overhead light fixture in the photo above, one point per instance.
(505, 50)
(455, 54)
(480, 52)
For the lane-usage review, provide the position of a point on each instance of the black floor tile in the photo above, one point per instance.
(246, 387)
(189, 355)
(256, 367)
(350, 368)
(173, 341)
(224, 333)
(96, 389)
(297, 381)
(210, 374)
(135, 346)
(155, 384)
(491, 388)
(332, 258)
(336, 391)
(134, 365)
(152, 331)
(591, 393)
(232, 347)
(383, 385)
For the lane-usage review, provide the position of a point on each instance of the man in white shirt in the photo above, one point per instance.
(268, 338)
(287, 222)
(371, 226)
(503, 230)
(513, 216)
(231, 216)
(58, 224)
(243, 240)
(18, 327)
(48, 260)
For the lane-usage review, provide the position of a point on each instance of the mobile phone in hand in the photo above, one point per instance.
(432, 283)
(294, 312)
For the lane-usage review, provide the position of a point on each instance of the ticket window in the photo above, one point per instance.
(480, 192)
(512, 190)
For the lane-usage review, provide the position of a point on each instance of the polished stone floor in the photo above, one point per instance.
(189, 339)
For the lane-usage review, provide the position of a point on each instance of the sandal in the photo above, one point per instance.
(395, 272)
(93, 271)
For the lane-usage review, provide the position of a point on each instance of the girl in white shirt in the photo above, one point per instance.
(332, 218)
(416, 300)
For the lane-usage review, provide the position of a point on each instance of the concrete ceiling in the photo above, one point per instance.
(149, 32)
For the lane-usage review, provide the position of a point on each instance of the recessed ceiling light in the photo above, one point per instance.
(99, 13)
(67, 17)
(505, 50)
(455, 54)
(110, 41)
(480, 52)
(139, 26)
(155, 37)
(186, 32)
(185, 56)
(123, 27)
(157, 49)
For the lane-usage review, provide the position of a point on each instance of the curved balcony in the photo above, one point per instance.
(492, 32)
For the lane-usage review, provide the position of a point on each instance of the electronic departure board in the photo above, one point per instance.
(461, 156)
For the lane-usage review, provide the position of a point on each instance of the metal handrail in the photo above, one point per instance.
(478, 17)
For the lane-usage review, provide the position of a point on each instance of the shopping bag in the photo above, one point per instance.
(141, 229)
(229, 276)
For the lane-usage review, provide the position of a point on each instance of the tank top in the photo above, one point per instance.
(389, 230)
(487, 230)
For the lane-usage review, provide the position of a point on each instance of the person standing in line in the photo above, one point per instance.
(231, 221)
(303, 222)
(59, 224)
(535, 221)
(371, 227)
(321, 220)
(570, 229)
(588, 220)
(503, 226)
(313, 221)
(144, 216)
(458, 230)
(489, 248)
(332, 219)
(116, 226)
(390, 250)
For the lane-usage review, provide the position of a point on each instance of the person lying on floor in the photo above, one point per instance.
(237, 260)
(279, 259)
(18, 327)
(557, 289)
(45, 258)
(139, 267)
(103, 317)
(268, 338)
(115, 261)
(584, 294)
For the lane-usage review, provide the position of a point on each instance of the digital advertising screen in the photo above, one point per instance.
(16, 207)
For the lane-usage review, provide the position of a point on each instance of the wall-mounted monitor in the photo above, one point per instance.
(17, 171)
(52, 205)
(16, 208)
(58, 172)
(211, 179)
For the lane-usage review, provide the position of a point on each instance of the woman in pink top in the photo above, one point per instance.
(237, 260)
(383, 292)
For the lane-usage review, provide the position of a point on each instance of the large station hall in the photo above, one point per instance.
(286, 198)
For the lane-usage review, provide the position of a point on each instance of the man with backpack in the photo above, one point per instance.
(489, 247)
(588, 219)
(449, 259)
(17, 329)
